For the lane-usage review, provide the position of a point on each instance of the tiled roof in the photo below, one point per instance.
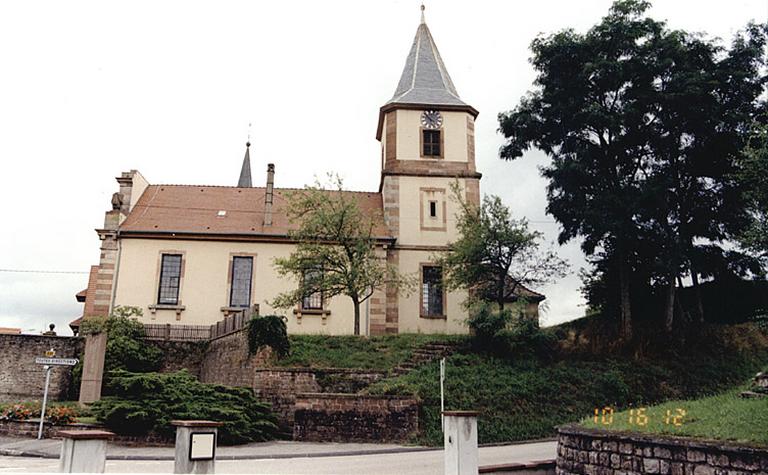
(197, 210)
(87, 296)
(425, 79)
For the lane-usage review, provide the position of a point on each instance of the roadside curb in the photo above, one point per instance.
(339, 453)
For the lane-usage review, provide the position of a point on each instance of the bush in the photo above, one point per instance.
(268, 331)
(147, 402)
(487, 323)
(126, 349)
(16, 412)
(61, 415)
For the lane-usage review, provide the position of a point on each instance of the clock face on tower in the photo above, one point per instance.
(431, 119)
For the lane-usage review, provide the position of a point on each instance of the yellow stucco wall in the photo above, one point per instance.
(414, 214)
(204, 288)
(454, 135)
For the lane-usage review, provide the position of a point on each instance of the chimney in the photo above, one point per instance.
(268, 194)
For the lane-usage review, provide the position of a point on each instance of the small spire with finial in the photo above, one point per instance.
(248, 143)
(422, 14)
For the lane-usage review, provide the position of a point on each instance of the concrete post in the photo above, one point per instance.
(93, 367)
(195, 446)
(83, 451)
(460, 439)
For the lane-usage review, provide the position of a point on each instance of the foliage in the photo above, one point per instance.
(487, 323)
(126, 350)
(335, 254)
(645, 126)
(382, 353)
(495, 255)
(524, 394)
(753, 174)
(61, 415)
(142, 402)
(16, 412)
(724, 416)
(268, 331)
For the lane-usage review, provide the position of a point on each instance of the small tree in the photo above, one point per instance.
(495, 254)
(753, 177)
(335, 252)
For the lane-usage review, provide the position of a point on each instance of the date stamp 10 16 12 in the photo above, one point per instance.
(640, 416)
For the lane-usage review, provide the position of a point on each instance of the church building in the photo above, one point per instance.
(192, 255)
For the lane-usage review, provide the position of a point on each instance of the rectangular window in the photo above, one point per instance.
(433, 209)
(431, 143)
(170, 275)
(432, 291)
(242, 273)
(313, 301)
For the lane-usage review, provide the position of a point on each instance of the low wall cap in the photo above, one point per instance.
(461, 413)
(197, 423)
(86, 434)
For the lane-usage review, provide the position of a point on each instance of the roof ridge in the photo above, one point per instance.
(181, 185)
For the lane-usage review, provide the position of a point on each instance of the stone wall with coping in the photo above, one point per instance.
(355, 418)
(179, 355)
(598, 452)
(28, 429)
(227, 361)
(280, 386)
(22, 379)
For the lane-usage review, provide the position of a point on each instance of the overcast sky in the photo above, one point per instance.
(90, 89)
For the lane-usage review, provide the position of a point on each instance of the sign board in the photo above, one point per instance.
(57, 361)
(202, 445)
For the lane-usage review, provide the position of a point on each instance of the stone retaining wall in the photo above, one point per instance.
(280, 386)
(598, 452)
(28, 429)
(355, 418)
(180, 355)
(22, 379)
(228, 362)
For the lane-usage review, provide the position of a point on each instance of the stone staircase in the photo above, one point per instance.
(423, 355)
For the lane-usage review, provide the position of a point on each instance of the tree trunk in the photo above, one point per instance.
(681, 310)
(697, 295)
(669, 310)
(356, 304)
(625, 328)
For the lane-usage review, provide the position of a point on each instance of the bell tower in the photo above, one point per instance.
(427, 136)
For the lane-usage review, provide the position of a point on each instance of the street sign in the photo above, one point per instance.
(57, 361)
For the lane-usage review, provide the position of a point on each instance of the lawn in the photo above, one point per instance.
(725, 416)
(377, 352)
(527, 391)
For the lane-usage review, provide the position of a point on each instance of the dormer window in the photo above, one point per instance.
(431, 143)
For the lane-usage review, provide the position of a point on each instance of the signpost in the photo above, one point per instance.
(442, 393)
(49, 362)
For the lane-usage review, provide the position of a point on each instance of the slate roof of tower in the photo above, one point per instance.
(245, 172)
(425, 79)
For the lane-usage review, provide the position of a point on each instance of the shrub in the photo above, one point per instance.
(144, 402)
(16, 412)
(268, 331)
(126, 348)
(61, 415)
(487, 322)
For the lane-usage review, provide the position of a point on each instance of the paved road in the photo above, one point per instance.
(411, 463)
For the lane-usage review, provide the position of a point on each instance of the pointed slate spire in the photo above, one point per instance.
(245, 172)
(425, 79)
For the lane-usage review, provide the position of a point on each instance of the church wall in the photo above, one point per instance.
(415, 225)
(409, 306)
(455, 146)
(204, 288)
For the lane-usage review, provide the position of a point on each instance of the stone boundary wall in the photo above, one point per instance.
(28, 429)
(355, 418)
(179, 355)
(280, 386)
(598, 452)
(22, 379)
(227, 361)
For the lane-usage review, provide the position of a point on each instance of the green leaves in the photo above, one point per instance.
(146, 402)
(268, 331)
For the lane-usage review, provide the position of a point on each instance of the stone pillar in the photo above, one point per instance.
(460, 439)
(83, 451)
(93, 367)
(196, 443)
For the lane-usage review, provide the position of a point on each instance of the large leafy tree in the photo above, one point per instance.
(496, 254)
(753, 174)
(335, 252)
(643, 125)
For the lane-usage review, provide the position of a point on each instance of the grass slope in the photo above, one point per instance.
(529, 390)
(377, 353)
(725, 416)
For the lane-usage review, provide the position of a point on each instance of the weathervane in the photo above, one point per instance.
(248, 143)
(422, 14)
